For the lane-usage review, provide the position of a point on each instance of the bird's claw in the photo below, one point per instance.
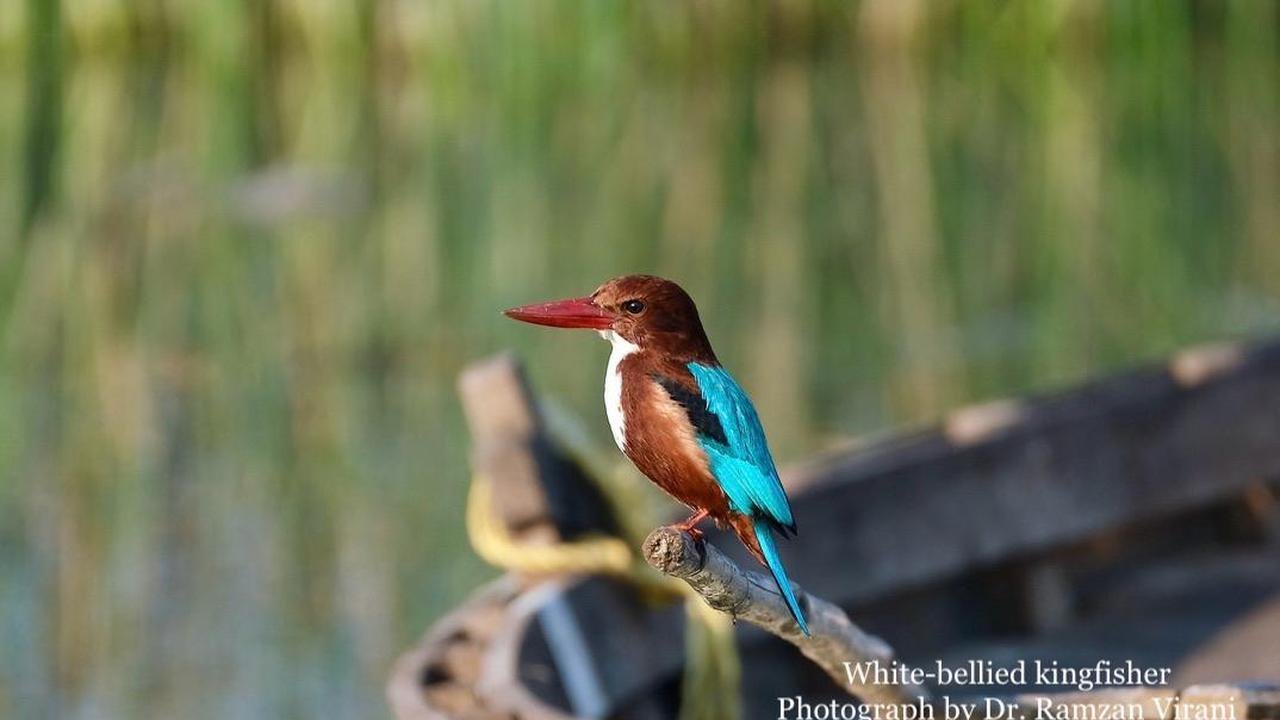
(690, 526)
(688, 529)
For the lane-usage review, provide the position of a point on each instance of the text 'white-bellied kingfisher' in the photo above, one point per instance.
(679, 416)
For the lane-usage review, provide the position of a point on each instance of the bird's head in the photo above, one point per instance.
(647, 311)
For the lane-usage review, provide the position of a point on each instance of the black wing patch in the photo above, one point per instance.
(705, 422)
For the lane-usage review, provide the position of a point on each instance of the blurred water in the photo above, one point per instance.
(246, 247)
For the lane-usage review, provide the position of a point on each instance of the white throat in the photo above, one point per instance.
(613, 386)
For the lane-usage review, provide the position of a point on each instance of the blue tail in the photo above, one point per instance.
(765, 536)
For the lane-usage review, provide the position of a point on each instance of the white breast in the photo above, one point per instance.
(613, 386)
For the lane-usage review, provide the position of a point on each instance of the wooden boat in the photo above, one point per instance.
(1132, 519)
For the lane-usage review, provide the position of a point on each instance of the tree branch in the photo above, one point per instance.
(751, 596)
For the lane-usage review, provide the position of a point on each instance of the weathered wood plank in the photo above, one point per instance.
(537, 489)
(1036, 474)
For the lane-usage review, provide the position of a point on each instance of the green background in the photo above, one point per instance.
(247, 245)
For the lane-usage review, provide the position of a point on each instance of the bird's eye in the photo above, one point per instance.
(633, 307)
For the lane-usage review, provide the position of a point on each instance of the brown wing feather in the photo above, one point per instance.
(661, 441)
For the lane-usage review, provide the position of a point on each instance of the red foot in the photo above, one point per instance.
(690, 525)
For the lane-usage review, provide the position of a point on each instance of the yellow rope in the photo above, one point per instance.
(712, 672)
(489, 537)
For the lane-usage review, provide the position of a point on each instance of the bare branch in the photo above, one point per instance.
(751, 596)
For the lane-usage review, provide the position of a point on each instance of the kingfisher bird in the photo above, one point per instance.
(679, 416)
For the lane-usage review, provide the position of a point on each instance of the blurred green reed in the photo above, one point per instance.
(247, 246)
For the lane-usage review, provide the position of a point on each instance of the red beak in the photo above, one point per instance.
(573, 313)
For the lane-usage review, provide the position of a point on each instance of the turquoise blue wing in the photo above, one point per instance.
(729, 431)
(738, 452)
